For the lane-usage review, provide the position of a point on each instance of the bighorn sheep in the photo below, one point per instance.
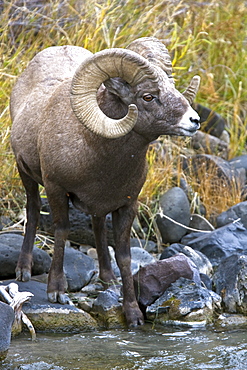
(82, 124)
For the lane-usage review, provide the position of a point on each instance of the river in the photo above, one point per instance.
(142, 349)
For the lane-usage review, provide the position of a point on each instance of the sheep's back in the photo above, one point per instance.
(43, 74)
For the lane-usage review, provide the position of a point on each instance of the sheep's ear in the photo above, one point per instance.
(119, 87)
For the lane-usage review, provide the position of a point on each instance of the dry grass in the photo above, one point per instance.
(207, 38)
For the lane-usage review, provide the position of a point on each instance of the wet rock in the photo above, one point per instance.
(107, 309)
(234, 213)
(202, 263)
(10, 246)
(52, 317)
(231, 321)
(79, 269)
(6, 321)
(230, 281)
(184, 301)
(174, 204)
(208, 144)
(220, 243)
(81, 230)
(212, 122)
(139, 258)
(152, 280)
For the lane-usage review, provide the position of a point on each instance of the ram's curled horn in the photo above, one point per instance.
(96, 69)
(192, 89)
(155, 52)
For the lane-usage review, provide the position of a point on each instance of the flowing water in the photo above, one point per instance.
(144, 348)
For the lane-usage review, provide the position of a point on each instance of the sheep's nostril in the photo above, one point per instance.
(196, 121)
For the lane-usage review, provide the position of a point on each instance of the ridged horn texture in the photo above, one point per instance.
(192, 89)
(96, 69)
(155, 52)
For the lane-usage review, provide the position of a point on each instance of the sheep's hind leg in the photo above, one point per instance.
(24, 264)
(122, 222)
(58, 201)
(106, 275)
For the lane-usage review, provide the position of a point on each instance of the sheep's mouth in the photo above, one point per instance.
(189, 132)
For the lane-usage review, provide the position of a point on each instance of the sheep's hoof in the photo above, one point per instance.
(134, 318)
(58, 297)
(23, 274)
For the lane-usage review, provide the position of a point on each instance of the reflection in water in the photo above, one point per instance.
(142, 349)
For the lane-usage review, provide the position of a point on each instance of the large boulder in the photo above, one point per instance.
(220, 243)
(152, 280)
(185, 301)
(52, 317)
(79, 269)
(174, 204)
(230, 281)
(212, 122)
(238, 211)
(10, 247)
(202, 263)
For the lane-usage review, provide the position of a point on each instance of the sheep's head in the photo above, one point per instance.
(155, 107)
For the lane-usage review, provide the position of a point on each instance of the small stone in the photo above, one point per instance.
(107, 309)
(10, 247)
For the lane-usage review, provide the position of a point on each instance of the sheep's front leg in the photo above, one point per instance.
(24, 264)
(106, 274)
(122, 221)
(58, 201)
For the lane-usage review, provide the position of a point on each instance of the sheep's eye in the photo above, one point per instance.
(148, 97)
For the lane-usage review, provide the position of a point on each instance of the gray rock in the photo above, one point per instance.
(6, 321)
(213, 123)
(239, 162)
(79, 269)
(220, 169)
(52, 317)
(235, 212)
(10, 246)
(184, 300)
(174, 204)
(230, 281)
(5, 222)
(220, 243)
(209, 144)
(202, 263)
(198, 222)
(148, 245)
(139, 258)
(107, 309)
(152, 280)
